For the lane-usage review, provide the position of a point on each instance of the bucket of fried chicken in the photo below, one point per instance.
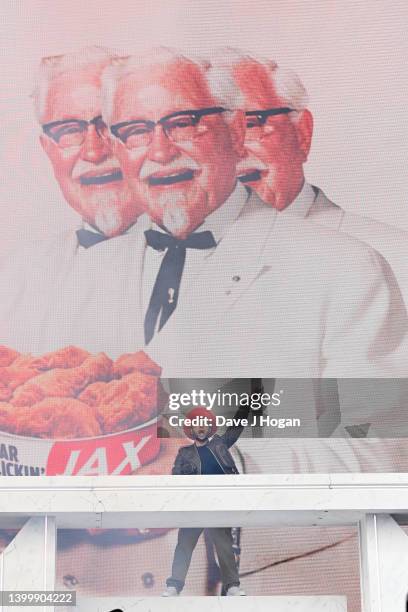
(70, 412)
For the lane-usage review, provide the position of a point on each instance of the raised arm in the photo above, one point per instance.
(233, 432)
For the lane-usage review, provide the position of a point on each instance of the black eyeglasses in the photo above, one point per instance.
(178, 127)
(257, 121)
(72, 132)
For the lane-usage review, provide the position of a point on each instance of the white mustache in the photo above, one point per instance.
(250, 165)
(150, 167)
(81, 167)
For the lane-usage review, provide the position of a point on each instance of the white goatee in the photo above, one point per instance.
(108, 220)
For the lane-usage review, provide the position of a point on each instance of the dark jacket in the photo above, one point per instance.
(188, 459)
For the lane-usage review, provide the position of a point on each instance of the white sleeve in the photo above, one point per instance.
(366, 320)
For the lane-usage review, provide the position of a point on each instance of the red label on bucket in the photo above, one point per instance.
(120, 453)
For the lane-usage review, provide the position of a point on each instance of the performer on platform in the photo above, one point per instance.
(208, 455)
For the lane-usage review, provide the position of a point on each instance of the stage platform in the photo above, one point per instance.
(211, 604)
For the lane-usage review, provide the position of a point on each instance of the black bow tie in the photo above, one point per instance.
(86, 238)
(166, 287)
(161, 241)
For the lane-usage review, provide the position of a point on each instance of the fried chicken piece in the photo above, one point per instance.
(135, 362)
(125, 403)
(63, 382)
(101, 392)
(5, 392)
(7, 422)
(25, 360)
(10, 357)
(7, 356)
(67, 357)
(12, 377)
(142, 403)
(57, 417)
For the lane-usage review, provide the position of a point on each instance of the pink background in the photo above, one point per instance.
(352, 57)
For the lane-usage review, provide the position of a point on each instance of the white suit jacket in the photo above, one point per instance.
(278, 297)
(391, 242)
(309, 302)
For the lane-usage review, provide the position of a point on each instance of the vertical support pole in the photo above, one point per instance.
(28, 562)
(369, 564)
(383, 564)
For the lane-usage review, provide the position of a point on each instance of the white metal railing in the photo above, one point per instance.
(175, 501)
(366, 500)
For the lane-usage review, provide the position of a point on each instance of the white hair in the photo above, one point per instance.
(221, 85)
(285, 82)
(53, 66)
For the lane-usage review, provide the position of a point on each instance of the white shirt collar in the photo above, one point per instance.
(91, 228)
(223, 217)
(303, 202)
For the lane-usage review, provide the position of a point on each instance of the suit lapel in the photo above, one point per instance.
(236, 261)
(226, 274)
